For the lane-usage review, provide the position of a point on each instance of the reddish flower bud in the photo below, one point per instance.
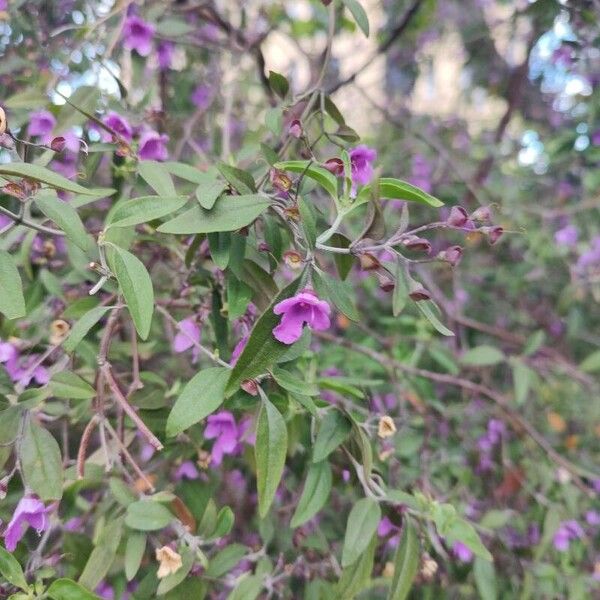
(386, 284)
(419, 293)
(414, 242)
(250, 387)
(58, 144)
(295, 129)
(451, 255)
(493, 233)
(458, 217)
(368, 262)
(15, 190)
(335, 166)
(264, 247)
(482, 215)
(280, 181)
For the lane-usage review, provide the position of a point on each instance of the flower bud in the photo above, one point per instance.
(58, 144)
(280, 181)
(458, 217)
(418, 293)
(295, 129)
(15, 190)
(264, 247)
(451, 255)
(368, 262)
(250, 387)
(292, 259)
(493, 233)
(335, 166)
(482, 215)
(414, 242)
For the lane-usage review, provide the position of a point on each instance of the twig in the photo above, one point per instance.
(83, 445)
(19, 220)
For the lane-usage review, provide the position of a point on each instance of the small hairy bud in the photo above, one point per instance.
(482, 215)
(295, 129)
(451, 255)
(414, 242)
(250, 387)
(58, 144)
(335, 166)
(368, 262)
(280, 181)
(493, 233)
(386, 427)
(59, 330)
(169, 561)
(458, 217)
(429, 567)
(419, 293)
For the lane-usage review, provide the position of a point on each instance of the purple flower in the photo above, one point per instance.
(188, 336)
(153, 146)
(202, 97)
(592, 517)
(421, 173)
(138, 35)
(567, 236)
(119, 124)
(165, 54)
(105, 591)
(239, 348)
(41, 124)
(595, 137)
(186, 470)
(30, 512)
(361, 159)
(462, 552)
(591, 256)
(222, 428)
(565, 534)
(305, 307)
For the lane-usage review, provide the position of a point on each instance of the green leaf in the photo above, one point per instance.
(189, 173)
(315, 493)
(201, 396)
(147, 515)
(241, 180)
(157, 177)
(174, 579)
(591, 363)
(293, 384)
(229, 213)
(523, 377)
(425, 306)
(136, 286)
(462, 531)
(43, 175)
(144, 209)
(222, 562)
(355, 577)
(67, 384)
(335, 428)
(279, 84)
(337, 292)
(12, 302)
(485, 579)
(103, 555)
(359, 14)
(207, 194)
(308, 221)
(482, 356)
(67, 589)
(322, 176)
(11, 570)
(401, 288)
(66, 217)
(270, 451)
(248, 587)
(83, 326)
(41, 462)
(134, 552)
(406, 562)
(343, 262)
(361, 527)
(395, 189)
(262, 350)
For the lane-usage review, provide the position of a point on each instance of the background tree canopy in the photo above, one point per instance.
(299, 299)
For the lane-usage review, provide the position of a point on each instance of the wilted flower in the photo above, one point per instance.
(58, 144)
(386, 427)
(169, 561)
(58, 331)
(280, 181)
(30, 512)
(153, 146)
(482, 215)
(493, 233)
(335, 166)
(303, 308)
(361, 159)
(137, 35)
(413, 242)
(119, 124)
(41, 124)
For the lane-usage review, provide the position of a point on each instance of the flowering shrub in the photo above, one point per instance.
(245, 353)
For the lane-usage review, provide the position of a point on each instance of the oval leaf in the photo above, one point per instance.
(334, 429)
(396, 189)
(144, 209)
(67, 589)
(322, 176)
(147, 515)
(406, 562)
(315, 493)
(66, 217)
(12, 302)
(362, 524)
